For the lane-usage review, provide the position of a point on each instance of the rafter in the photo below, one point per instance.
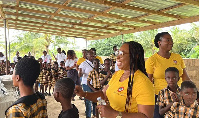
(123, 6)
(70, 23)
(45, 28)
(192, 2)
(1, 12)
(57, 26)
(65, 16)
(47, 31)
(88, 11)
(161, 25)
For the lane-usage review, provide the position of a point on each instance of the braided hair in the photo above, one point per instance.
(158, 38)
(136, 62)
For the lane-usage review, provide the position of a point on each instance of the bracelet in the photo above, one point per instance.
(85, 94)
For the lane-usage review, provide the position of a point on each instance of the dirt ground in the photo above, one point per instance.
(54, 108)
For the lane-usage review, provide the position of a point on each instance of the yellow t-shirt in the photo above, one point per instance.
(142, 92)
(80, 60)
(157, 65)
(100, 59)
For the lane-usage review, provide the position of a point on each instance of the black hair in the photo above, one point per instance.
(158, 38)
(84, 50)
(114, 47)
(108, 59)
(55, 62)
(187, 84)
(96, 60)
(136, 52)
(93, 49)
(174, 69)
(62, 62)
(70, 52)
(66, 87)
(28, 69)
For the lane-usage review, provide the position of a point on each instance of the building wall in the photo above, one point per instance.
(192, 68)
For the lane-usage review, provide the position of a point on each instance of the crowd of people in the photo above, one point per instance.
(128, 86)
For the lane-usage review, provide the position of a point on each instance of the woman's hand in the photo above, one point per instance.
(78, 90)
(107, 111)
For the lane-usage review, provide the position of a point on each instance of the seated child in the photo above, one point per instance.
(165, 96)
(30, 104)
(188, 107)
(63, 91)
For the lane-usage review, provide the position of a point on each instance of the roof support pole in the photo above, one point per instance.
(9, 43)
(86, 43)
(122, 38)
(5, 26)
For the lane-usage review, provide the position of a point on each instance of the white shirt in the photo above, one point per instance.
(46, 58)
(15, 59)
(86, 68)
(3, 58)
(70, 63)
(60, 57)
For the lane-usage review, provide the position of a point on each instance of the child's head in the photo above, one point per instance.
(40, 60)
(107, 64)
(62, 63)
(188, 92)
(96, 63)
(27, 70)
(12, 65)
(45, 65)
(55, 64)
(48, 65)
(172, 76)
(64, 89)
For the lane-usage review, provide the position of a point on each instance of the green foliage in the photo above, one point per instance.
(186, 42)
(104, 47)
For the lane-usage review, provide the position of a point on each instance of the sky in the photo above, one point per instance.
(81, 43)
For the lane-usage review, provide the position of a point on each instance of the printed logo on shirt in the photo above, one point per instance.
(175, 62)
(120, 89)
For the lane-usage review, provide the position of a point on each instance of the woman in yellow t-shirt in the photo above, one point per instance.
(130, 94)
(160, 61)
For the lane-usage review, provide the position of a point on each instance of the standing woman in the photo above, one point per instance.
(129, 93)
(70, 65)
(160, 61)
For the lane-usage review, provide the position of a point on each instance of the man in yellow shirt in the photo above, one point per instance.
(82, 59)
(98, 57)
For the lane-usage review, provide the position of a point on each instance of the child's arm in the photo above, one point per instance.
(91, 87)
(106, 78)
(163, 110)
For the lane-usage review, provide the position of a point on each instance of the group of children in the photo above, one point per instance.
(49, 76)
(175, 101)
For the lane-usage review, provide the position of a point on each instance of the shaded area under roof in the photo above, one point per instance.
(96, 19)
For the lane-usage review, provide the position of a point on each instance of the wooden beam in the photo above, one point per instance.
(67, 16)
(70, 23)
(161, 25)
(44, 31)
(88, 11)
(2, 13)
(123, 6)
(57, 26)
(17, 5)
(64, 31)
(191, 2)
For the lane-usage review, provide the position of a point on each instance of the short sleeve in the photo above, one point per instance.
(149, 65)
(144, 92)
(14, 112)
(67, 63)
(182, 63)
(89, 76)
